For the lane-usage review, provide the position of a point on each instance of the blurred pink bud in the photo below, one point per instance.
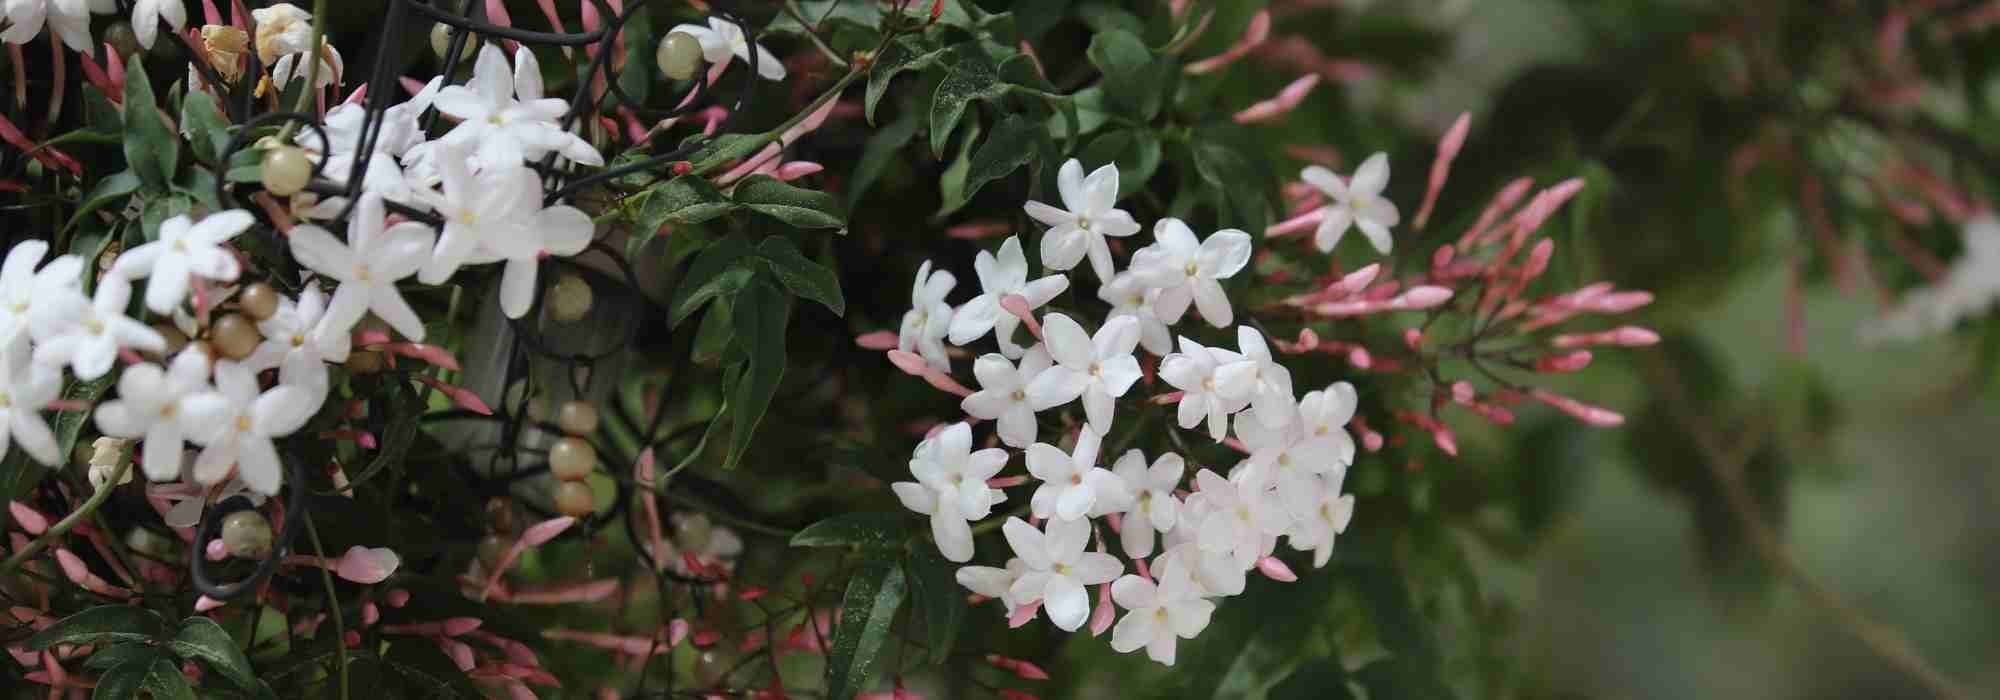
(1275, 569)
(459, 395)
(205, 604)
(1370, 440)
(460, 625)
(352, 638)
(1568, 362)
(1622, 302)
(974, 230)
(798, 169)
(1297, 224)
(1256, 33)
(1441, 258)
(546, 530)
(1413, 338)
(1018, 306)
(428, 353)
(1023, 614)
(367, 565)
(914, 365)
(1538, 259)
(370, 614)
(677, 630)
(878, 340)
(398, 598)
(1503, 201)
(1101, 618)
(1545, 205)
(1423, 297)
(1588, 414)
(1462, 392)
(460, 653)
(1286, 100)
(1446, 440)
(1360, 358)
(1003, 482)
(707, 638)
(1448, 147)
(1624, 336)
(28, 518)
(216, 551)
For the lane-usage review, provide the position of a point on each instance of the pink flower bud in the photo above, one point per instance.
(1569, 362)
(1588, 414)
(1538, 259)
(798, 169)
(1447, 151)
(370, 614)
(878, 340)
(1023, 614)
(1003, 482)
(975, 230)
(1462, 392)
(1423, 297)
(367, 565)
(1413, 338)
(459, 395)
(1018, 306)
(28, 518)
(707, 638)
(545, 530)
(677, 630)
(1298, 224)
(1101, 618)
(460, 653)
(352, 638)
(216, 551)
(1446, 440)
(1505, 200)
(1275, 569)
(398, 598)
(1258, 30)
(1441, 258)
(1360, 358)
(460, 625)
(1286, 100)
(914, 365)
(205, 604)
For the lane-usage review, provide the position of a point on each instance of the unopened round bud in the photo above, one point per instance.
(246, 534)
(571, 459)
(235, 335)
(577, 418)
(173, 335)
(680, 56)
(286, 170)
(570, 298)
(259, 300)
(575, 499)
(440, 39)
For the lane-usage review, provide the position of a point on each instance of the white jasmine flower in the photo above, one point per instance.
(235, 423)
(184, 250)
(994, 582)
(503, 129)
(1100, 369)
(1284, 459)
(331, 66)
(147, 15)
(66, 19)
(1324, 415)
(367, 266)
(1129, 297)
(999, 277)
(498, 215)
(1090, 215)
(1186, 270)
(722, 39)
(1258, 378)
(282, 29)
(24, 389)
(1240, 515)
(86, 332)
(297, 343)
(105, 455)
(1003, 395)
(951, 487)
(1968, 288)
(1152, 506)
(1159, 613)
(1072, 484)
(1327, 516)
(1058, 568)
(1193, 371)
(149, 406)
(929, 318)
(18, 281)
(1356, 202)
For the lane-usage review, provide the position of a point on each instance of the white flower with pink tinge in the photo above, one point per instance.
(1000, 277)
(722, 39)
(1259, 379)
(367, 265)
(1099, 368)
(85, 333)
(149, 406)
(1189, 271)
(1130, 297)
(235, 425)
(951, 487)
(185, 249)
(1326, 515)
(1058, 568)
(1357, 202)
(498, 215)
(1152, 506)
(1160, 613)
(928, 321)
(1073, 486)
(504, 117)
(1090, 214)
(1003, 394)
(1193, 371)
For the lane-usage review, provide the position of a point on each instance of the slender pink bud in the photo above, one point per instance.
(1370, 440)
(1462, 392)
(1538, 259)
(798, 169)
(1446, 440)
(459, 395)
(1588, 414)
(914, 365)
(460, 625)
(1441, 258)
(1018, 306)
(974, 230)
(1423, 297)
(1258, 30)
(28, 518)
(1413, 338)
(1023, 614)
(1004, 482)
(205, 604)
(398, 598)
(1568, 362)
(1448, 147)
(370, 614)
(1286, 100)
(1307, 221)
(1359, 357)
(1101, 618)
(878, 340)
(460, 653)
(1275, 569)
(1503, 201)
(367, 564)
(216, 551)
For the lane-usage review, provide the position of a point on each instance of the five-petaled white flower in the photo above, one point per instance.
(1058, 568)
(1241, 514)
(1258, 378)
(1186, 270)
(951, 487)
(1090, 215)
(67, 19)
(722, 39)
(1357, 202)
(1324, 414)
(1193, 371)
(498, 215)
(235, 423)
(1326, 516)
(184, 250)
(147, 14)
(994, 582)
(86, 332)
(24, 389)
(1072, 484)
(505, 118)
(1152, 506)
(1129, 297)
(297, 343)
(1100, 369)
(1159, 613)
(149, 406)
(929, 318)
(367, 266)
(1003, 395)
(18, 280)
(998, 278)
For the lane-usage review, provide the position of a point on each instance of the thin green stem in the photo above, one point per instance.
(62, 527)
(792, 9)
(332, 601)
(726, 517)
(304, 102)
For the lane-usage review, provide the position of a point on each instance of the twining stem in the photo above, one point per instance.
(1725, 463)
(792, 9)
(332, 601)
(63, 526)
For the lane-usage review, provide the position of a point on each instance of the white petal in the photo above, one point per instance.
(1067, 603)
(1028, 543)
(915, 496)
(517, 287)
(953, 535)
(1372, 176)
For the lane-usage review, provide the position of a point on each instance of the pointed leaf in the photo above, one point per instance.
(761, 312)
(716, 271)
(201, 639)
(202, 122)
(934, 586)
(797, 206)
(105, 623)
(806, 279)
(151, 149)
(864, 530)
(972, 77)
(873, 595)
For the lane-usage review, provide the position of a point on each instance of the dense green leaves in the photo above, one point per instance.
(687, 199)
(201, 639)
(973, 76)
(102, 624)
(866, 611)
(1010, 146)
(151, 148)
(797, 206)
(865, 530)
(803, 277)
(155, 674)
(1134, 83)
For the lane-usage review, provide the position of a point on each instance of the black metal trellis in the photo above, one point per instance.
(526, 344)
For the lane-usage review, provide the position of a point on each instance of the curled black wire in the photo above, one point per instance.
(297, 504)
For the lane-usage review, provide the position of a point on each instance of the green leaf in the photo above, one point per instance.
(125, 679)
(163, 680)
(1315, 679)
(1091, 113)
(1035, 17)
(761, 313)
(806, 279)
(687, 199)
(1005, 150)
(951, 184)
(972, 77)
(108, 190)
(873, 595)
(878, 153)
(797, 206)
(104, 623)
(1238, 186)
(109, 657)
(907, 53)
(640, 43)
(864, 530)
(201, 639)
(206, 130)
(715, 272)
(151, 149)
(1133, 81)
(711, 338)
(1136, 151)
(934, 585)
(69, 423)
